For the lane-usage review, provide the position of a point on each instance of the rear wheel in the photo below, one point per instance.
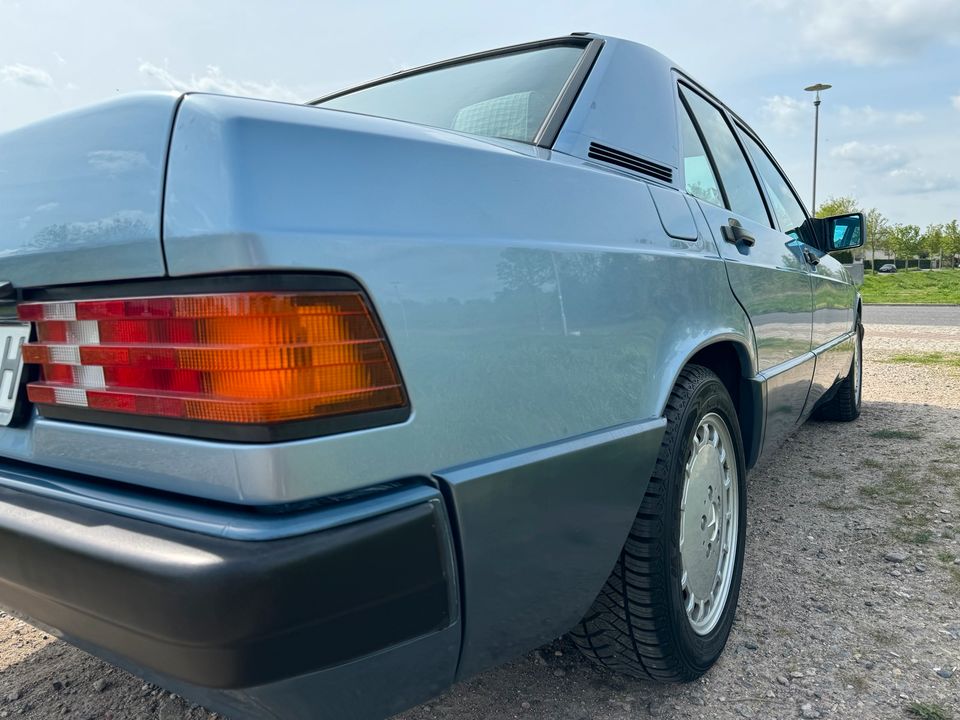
(844, 406)
(666, 611)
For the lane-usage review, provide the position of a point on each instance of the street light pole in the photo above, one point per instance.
(816, 136)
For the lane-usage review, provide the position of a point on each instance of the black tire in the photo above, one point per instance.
(844, 406)
(638, 624)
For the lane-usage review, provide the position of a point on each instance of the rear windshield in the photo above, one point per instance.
(504, 96)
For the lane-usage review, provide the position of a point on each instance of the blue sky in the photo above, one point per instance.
(890, 132)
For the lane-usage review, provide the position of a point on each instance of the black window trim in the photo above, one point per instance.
(706, 149)
(746, 130)
(728, 116)
(549, 130)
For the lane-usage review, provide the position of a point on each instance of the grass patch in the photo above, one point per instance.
(955, 574)
(823, 475)
(887, 434)
(872, 464)
(885, 638)
(898, 486)
(946, 556)
(914, 537)
(950, 445)
(857, 681)
(928, 358)
(836, 505)
(929, 711)
(913, 287)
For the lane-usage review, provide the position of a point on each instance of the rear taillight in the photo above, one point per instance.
(238, 358)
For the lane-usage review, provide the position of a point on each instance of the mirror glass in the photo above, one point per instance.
(847, 232)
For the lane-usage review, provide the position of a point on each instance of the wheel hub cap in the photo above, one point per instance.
(709, 516)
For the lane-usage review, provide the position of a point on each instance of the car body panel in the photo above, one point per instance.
(512, 540)
(82, 193)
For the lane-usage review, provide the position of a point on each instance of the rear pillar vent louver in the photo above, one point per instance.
(630, 162)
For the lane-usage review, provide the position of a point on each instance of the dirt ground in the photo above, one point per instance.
(850, 606)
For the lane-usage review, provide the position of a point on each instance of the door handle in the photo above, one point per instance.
(734, 233)
(810, 256)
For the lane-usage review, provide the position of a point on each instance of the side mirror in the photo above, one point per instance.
(843, 232)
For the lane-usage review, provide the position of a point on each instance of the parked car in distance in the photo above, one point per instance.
(887, 268)
(315, 410)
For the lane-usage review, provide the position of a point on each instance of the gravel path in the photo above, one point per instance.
(850, 606)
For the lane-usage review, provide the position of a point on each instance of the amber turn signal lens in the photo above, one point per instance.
(247, 358)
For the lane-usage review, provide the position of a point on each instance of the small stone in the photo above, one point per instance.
(869, 665)
(782, 679)
(895, 573)
(920, 567)
(749, 645)
(945, 673)
(558, 653)
(807, 711)
(796, 674)
(895, 556)
(100, 685)
(525, 705)
(559, 673)
(14, 696)
(57, 685)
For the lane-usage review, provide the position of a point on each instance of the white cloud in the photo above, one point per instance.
(956, 101)
(883, 158)
(785, 114)
(893, 168)
(908, 118)
(912, 180)
(872, 32)
(869, 115)
(21, 74)
(214, 81)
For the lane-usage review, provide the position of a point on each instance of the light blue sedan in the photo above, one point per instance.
(310, 411)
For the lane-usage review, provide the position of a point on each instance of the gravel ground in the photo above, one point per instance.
(850, 606)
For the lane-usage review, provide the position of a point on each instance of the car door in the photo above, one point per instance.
(767, 269)
(834, 296)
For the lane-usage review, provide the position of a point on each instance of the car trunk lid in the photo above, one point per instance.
(81, 193)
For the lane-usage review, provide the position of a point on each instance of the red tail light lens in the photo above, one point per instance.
(239, 358)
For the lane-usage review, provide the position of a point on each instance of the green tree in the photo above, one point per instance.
(932, 241)
(905, 241)
(950, 244)
(842, 205)
(878, 227)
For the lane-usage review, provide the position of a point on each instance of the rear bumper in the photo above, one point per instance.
(223, 613)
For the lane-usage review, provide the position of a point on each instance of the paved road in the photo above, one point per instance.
(912, 315)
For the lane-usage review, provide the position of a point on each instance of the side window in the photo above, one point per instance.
(701, 182)
(789, 211)
(739, 186)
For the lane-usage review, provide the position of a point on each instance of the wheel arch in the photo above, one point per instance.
(731, 360)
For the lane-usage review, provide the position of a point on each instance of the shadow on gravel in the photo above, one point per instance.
(827, 627)
(849, 607)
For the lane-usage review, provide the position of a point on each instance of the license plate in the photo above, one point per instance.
(12, 338)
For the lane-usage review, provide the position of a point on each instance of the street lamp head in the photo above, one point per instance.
(818, 87)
